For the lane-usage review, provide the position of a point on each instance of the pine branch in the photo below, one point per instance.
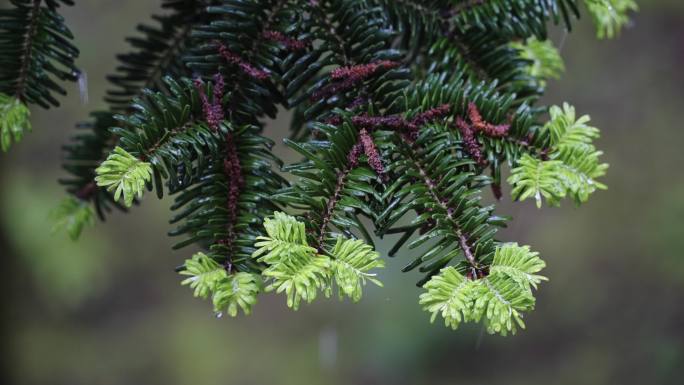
(156, 54)
(223, 208)
(37, 51)
(404, 111)
(35, 54)
(27, 49)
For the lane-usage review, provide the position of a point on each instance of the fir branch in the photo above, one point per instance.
(235, 179)
(228, 291)
(544, 59)
(353, 261)
(36, 51)
(157, 54)
(569, 166)
(154, 55)
(352, 162)
(404, 111)
(27, 49)
(301, 271)
(72, 215)
(463, 239)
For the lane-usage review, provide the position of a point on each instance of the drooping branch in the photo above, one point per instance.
(158, 53)
(395, 133)
(154, 55)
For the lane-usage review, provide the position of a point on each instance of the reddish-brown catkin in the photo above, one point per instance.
(233, 173)
(371, 151)
(213, 110)
(470, 143)
(346, 78)
(247, 68)
(489, 129)
(287, 42)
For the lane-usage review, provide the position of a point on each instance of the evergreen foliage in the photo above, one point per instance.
(72, 215)
(500, 298)
(124, 174)
(15, 121)
(610, 15)
(36, 53)
(404, 114)
(301, 270)
(156, 53)
(545, 61)
(568, 166)
(228, 291)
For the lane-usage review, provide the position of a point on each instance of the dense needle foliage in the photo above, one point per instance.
(404, 113)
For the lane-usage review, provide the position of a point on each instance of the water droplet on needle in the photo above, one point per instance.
(83, 86)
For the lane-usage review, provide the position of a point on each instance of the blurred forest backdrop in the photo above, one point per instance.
(109, 309)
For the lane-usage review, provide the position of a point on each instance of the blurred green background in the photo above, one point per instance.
(109, 309)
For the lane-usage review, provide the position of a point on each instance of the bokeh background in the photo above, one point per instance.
(109, 309)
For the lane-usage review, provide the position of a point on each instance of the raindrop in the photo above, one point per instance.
(83, 86)
(327, 347)
(562, 42)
